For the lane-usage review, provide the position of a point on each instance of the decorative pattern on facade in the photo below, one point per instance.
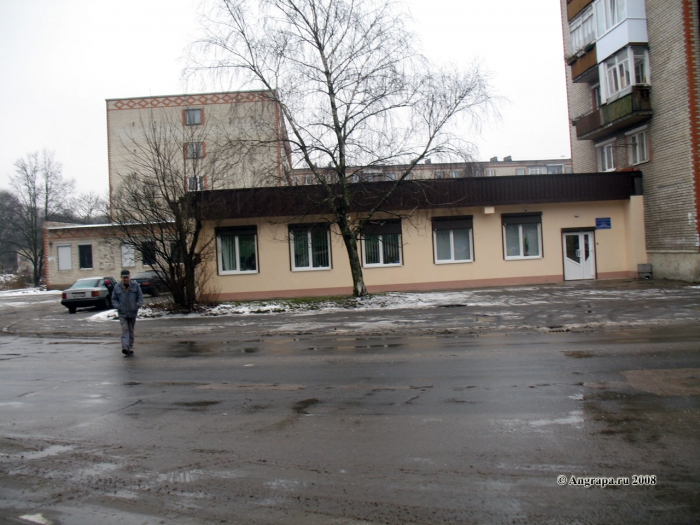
(188, 100)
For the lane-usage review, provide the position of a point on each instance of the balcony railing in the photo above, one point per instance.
(623, 113)
(582, 68)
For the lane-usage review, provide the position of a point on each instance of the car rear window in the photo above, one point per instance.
(87, 283)
(146, 275)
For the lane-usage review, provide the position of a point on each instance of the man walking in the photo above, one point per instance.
(127, 298)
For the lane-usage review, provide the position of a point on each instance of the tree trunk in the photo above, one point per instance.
(358, 280)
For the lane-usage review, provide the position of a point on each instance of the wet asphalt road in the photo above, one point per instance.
(357, 417)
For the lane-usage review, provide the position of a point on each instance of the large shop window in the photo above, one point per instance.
(522, 235)
(381, 244)
(310, 246)
(237, 250)
(452, 239)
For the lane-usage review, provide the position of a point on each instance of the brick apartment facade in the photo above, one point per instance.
(632, 82)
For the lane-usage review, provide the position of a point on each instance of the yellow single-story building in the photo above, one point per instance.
(429, 235)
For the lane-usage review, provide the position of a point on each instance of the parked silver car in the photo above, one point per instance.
(91, 291)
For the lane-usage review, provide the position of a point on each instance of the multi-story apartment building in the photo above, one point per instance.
(219, 140)
(452, 170)
(633, 86)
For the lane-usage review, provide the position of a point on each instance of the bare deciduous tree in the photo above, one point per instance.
(353, 89)
(152, 205)
(42, 192)
(90, 208)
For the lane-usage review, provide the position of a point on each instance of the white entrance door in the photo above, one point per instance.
(579, 255)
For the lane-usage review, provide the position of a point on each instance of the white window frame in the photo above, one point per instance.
(198, 181)
(219, 254)
(70, 257)
(606, 157)
(310, 268)
(439, 174)
(537, 170)
(522, 243)
(128, 256)
(619, 72)
(381, 264)
(635, 135)
(520, 171)
(452, 259)
(608, 14)
(92, 257)
(583, 30)
(456, 174)
(489, 172)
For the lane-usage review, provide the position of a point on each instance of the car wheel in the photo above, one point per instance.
(71, 309)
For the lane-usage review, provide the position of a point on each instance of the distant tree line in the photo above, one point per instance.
(38, 194)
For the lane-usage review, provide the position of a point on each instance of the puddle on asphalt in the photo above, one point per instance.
(301, 406)
(196, 404)
(579, 354)
(191, 348)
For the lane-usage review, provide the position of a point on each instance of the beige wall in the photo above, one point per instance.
(106, 255)
(234, 124)
(619, 250)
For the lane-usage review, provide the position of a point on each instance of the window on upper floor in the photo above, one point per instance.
(489, 172)
(555, 169)
(605, 153)
(193, 117)
(195, 150)
(455, 174)
(537, 170)
(195, 183)
(609, 13)
(520, 171)
(583, 30)
(439, 174)
(638, 146)
(627, 67)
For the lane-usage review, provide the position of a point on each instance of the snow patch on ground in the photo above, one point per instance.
(483, 298)
(28, 291)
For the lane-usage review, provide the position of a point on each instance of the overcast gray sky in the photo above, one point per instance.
(60, 60)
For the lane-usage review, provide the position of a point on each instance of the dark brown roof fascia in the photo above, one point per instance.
(420, 194)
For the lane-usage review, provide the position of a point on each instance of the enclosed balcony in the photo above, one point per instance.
(624, 113)
(574, 7)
